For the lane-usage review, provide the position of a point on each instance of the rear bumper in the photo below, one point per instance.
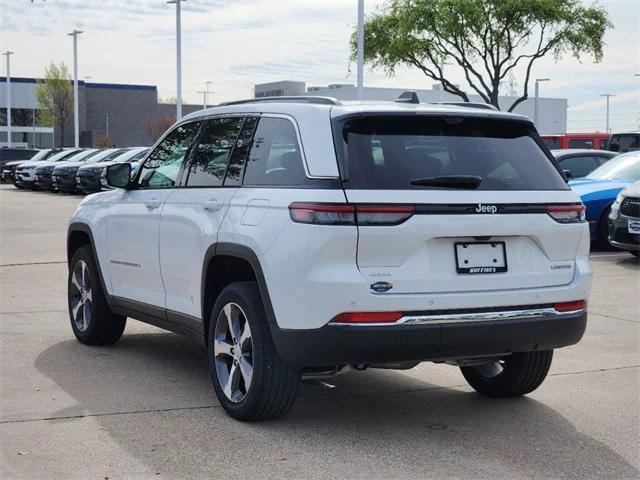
(341, 344)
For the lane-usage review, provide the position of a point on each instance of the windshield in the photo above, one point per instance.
(62, 155)
(624, 142)
(82, 156)
(400, 152)
(624, 167)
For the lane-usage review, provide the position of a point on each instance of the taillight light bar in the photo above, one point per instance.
(567, 213)
(350, 214)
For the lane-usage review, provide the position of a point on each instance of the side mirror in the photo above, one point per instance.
(567, 173)
(117, 175)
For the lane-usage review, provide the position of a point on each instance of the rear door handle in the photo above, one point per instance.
(152, 204)
(212, 205)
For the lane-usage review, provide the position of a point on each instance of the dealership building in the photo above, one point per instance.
(552, 113)
(124, 113)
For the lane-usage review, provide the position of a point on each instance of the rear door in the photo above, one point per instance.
(192, 215)
(457, 204)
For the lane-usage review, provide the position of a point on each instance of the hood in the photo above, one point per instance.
(586, 187)
(14, 163)
(632, 190)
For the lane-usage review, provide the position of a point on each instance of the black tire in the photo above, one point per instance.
(274, 384)
(102, 326)
(602, 238)
(521, 373)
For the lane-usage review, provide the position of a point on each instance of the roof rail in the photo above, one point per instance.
(481, 106)
(290, 99)
(408, 97)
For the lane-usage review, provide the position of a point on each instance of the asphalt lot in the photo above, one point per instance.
(145, 408)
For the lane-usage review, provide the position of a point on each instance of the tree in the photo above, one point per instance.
(104, 141)
(487, 39)
(155, 128)
(55, 97)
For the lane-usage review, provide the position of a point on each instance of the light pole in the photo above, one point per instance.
(76, 116)
(206, 92)
(178, 59)
(8, 53)
(360, 60)
(537, 97)
(608, 96)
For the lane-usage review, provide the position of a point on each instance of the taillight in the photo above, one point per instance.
(570, 306)
(567, 213)
(368, 317)
(323, 213)
(348, 214)
(384, 214)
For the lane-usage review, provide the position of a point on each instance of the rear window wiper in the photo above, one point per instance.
(469, 182)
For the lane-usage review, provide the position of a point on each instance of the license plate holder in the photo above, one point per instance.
(474, 258)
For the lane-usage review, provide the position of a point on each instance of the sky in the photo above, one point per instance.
(238, 43)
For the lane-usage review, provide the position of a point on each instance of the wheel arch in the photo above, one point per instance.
(225, 263)
(79, 234)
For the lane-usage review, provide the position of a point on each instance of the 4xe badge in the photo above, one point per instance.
(381, 287)
(486, 208)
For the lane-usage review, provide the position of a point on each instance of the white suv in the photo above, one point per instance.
(303, 236)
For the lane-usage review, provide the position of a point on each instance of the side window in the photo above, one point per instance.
(162, 167)
(210, 157)
(604, 144)
(579, 166)
(240, 152)
(275, 157)
(581, 143)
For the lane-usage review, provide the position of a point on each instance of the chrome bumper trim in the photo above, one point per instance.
(470, 317)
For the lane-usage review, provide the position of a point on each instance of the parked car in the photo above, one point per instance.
(624, 220)
(25, 172)
(11, 154)
(64, 174)
(44, 173)
(299, 236)
(89, 177)
(625, 142)
(599, 190)
(577, 140)
(577, 163)
(9, 168)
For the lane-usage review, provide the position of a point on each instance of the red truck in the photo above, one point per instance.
(598, 141)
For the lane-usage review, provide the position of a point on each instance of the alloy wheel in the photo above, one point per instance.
(233, 352)
(81, 296)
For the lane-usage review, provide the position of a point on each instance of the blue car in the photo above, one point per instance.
(599, 190)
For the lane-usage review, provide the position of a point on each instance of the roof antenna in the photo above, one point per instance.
(408, 97)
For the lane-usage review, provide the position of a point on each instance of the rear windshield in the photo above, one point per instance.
(391, 152)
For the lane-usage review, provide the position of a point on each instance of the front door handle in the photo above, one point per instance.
(152, 204)
(212, 205)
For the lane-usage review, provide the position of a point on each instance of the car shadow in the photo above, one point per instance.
(382, 424)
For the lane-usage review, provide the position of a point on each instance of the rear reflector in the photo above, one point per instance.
(570, 306)
(348, 214)
(567, 213)
(368, 317)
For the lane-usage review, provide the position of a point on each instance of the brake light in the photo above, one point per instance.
(348, 214)
(368, 317)
(567, 213)
(570, 306)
